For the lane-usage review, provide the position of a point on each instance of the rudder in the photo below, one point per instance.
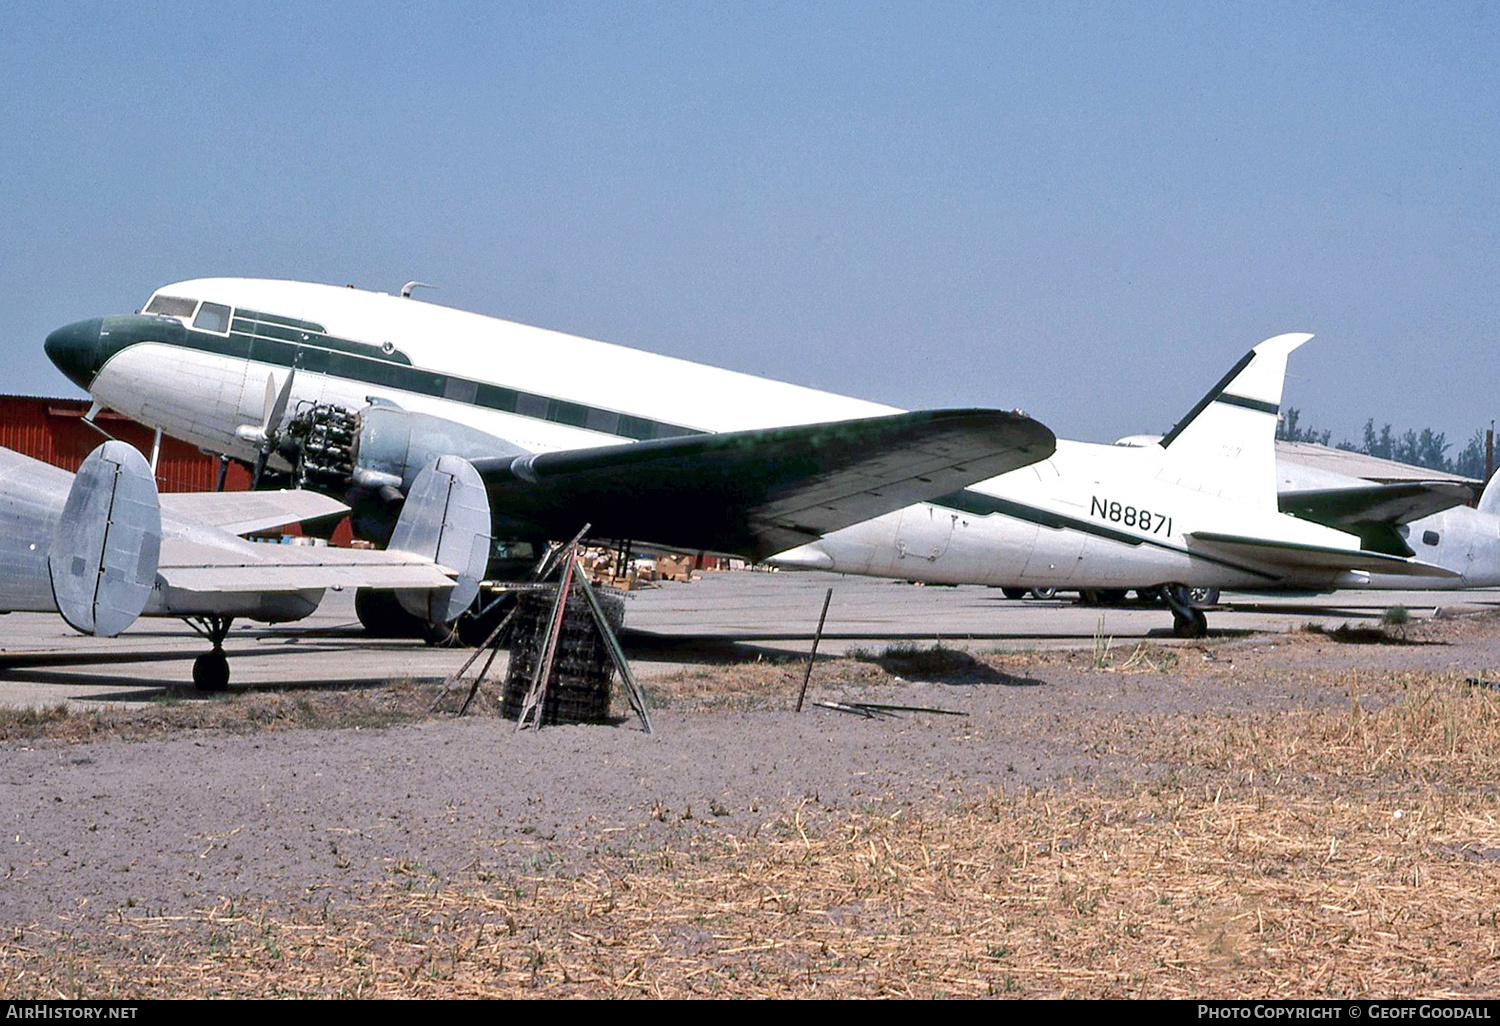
(447, 520)
(104, 556)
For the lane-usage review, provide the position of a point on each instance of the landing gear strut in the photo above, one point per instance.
(211, 669)
(1188, 620)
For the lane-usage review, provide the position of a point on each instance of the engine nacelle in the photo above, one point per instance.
(394, 445)
(370, 458)
(381, 448)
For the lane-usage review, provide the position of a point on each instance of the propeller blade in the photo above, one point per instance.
(277, 409)
(267, 406)
(260, 468)
(270, 428)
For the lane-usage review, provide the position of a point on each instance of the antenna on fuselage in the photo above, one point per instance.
(406, 289)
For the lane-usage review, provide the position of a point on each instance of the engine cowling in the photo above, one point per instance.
(379, 446)
(370, 457)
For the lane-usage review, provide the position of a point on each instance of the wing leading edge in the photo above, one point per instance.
(759, 492)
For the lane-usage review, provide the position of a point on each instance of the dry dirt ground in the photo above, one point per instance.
(1282, 816)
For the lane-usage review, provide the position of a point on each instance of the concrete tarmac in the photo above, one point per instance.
(721, 616)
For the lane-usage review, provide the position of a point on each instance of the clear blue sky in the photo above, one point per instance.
(1087, 210)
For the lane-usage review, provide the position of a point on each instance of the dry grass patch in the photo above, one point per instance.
(1141, 895)
(1337, 853)
(399, 701)
(766, 684)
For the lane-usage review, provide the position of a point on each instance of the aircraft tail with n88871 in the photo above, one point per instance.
(1197, 511)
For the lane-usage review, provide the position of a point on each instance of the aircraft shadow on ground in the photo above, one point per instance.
(941, 665)
(1346, 635)
(938, 664)
(152, 691)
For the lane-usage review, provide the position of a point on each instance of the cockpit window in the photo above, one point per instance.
(171, 306)
(212, 317)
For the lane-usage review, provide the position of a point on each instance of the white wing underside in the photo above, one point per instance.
(188, 566)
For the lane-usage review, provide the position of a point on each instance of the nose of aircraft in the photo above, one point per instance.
(74, 349)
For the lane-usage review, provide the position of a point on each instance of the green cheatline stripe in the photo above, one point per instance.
(318, 357)
(1259, 405)
(980, 504)
(1213, 393)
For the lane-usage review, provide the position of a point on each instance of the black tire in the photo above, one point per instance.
(211, 672)
(1194, 625)
(381, 615)
(1045, 594)
(441, 635)
(1203, 596)
(1013, 593)
(474, 628)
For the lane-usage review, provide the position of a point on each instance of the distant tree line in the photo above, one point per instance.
(1425, 448)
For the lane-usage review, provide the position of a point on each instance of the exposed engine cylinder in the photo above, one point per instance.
(325, 438)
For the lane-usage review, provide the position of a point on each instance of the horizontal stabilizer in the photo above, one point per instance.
(446, 519)
(1295, 556)
(248, 512)
(758, 492)
(103, 558)
(293, 568)
(1374, 503)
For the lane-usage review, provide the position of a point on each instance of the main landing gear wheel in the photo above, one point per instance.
(211, 671)
(1013, 593)
(382, 615)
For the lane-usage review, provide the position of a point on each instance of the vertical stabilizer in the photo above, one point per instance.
(1489, 499)
(447, 520)
(1226, 445)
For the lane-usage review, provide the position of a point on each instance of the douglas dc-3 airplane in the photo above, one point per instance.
(352, 391)
(102, 547)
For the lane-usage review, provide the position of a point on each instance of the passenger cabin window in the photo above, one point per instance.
(171, 306)
(213, 317)
(531, 406)
(1429, 537)
(603, 420)
(460, 390)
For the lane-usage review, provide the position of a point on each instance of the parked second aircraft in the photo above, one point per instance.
(1197, 509)
(102, 547)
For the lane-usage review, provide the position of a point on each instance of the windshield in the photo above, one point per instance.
(171, 306)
